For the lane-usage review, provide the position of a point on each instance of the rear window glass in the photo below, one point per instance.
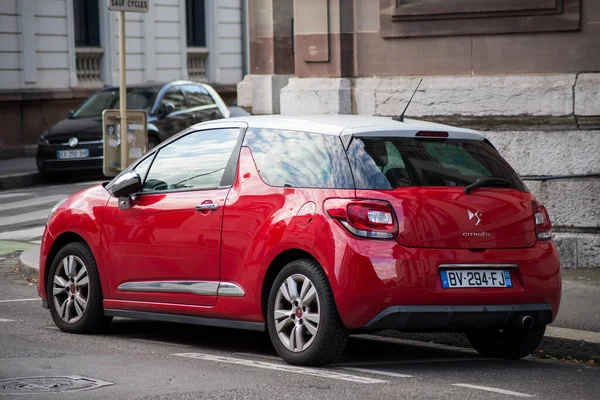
(388, 163)
(299, 159)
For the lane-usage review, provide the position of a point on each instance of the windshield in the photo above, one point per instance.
(388, 163)
(137, 99)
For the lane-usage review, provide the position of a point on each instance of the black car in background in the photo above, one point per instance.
(75, 143)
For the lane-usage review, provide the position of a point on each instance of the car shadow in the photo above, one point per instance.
(361, 349)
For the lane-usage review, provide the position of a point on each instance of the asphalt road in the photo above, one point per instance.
(148, 360)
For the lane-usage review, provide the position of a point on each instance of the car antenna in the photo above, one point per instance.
(401, 117)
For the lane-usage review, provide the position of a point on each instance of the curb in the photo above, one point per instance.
(557, 343)
(28, 264)
(19, 180)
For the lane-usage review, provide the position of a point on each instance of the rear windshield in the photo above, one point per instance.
(389, 163)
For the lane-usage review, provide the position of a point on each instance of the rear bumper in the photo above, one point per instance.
(457, 318)
(372, 279)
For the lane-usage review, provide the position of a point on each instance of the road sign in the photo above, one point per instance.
(140, 6)
(137, 139)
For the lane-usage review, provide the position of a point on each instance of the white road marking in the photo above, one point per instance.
(35, 241)
(161, 342)
(282, 367)
(377, 372)
(30, 216)
(399, 362)
(259, 356)
(491, 389)
(17, 300)
(90, 184)
(9, 195)
(6, 320)
(36, 201)
(23, 234)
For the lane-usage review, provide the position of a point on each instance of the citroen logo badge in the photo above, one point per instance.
(476, 215)
(73, 142)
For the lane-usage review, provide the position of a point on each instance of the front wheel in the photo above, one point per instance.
(508, 342)
(74, 291)
(302, 317)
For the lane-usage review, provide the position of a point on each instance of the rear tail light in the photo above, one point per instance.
(364, 218)
(543, 226)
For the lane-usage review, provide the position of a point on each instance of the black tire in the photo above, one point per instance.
(509, 343)
(92, 318)
(331, 337)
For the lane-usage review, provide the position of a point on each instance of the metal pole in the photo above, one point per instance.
(122, 90)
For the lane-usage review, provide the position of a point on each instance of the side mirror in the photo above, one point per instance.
(166, 109)
(70, 113)
(126, 185)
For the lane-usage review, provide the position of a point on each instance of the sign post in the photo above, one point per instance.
(122, 6)
(122, 89)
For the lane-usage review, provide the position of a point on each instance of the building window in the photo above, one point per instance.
(87, 23)
(195, 23)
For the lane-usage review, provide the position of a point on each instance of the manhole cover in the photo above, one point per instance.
(49, 384)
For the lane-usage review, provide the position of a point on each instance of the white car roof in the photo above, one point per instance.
(352, 125)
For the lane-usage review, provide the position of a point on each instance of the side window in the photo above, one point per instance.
(174, 95)
(196, 161)
(299, 159)
(197, 96)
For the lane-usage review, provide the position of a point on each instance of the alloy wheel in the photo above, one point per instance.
(70, 289)
(297, 312)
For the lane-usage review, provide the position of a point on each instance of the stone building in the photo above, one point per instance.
(524, 72)
(55, 53)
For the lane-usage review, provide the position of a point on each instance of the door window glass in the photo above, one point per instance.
(174, 95)
(197, 96)
(299, 159)
(196, 161)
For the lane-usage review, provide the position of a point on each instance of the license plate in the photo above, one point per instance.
(475, 278)
(66, 154)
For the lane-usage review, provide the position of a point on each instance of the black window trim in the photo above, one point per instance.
(230, 168)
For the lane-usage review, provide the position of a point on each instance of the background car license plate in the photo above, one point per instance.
(475, 278)
(65, 154)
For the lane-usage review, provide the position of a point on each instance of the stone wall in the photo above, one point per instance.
(546, 126)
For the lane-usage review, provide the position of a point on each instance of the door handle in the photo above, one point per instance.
(207, 206)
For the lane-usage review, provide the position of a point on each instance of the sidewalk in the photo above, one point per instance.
(575, 333)
(18, 172)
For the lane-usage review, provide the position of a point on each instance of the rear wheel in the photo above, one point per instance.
(74, 291)
(302, 318)
(506, 343)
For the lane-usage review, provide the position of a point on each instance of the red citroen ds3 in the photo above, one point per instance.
(310, 228)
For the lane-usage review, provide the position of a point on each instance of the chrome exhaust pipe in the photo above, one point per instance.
(523, 321)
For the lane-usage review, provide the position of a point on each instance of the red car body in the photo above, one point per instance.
(376, 283)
